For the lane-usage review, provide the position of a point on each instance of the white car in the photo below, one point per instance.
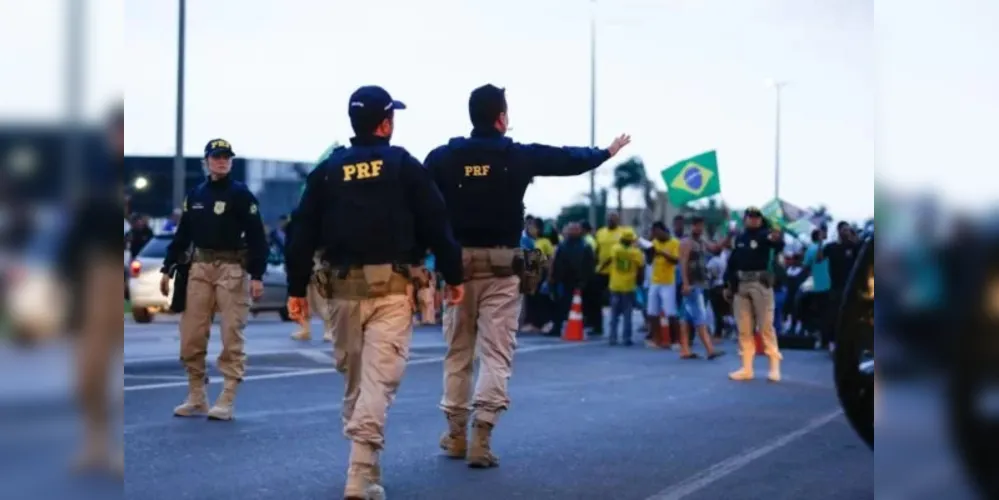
(144, 284)
(36, 300)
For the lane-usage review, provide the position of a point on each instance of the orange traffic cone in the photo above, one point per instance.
(665, 340)
(759, 343)
(574, 327)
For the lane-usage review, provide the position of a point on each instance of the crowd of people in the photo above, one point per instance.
(807, 281)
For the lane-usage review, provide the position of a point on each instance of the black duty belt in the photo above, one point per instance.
(753, 275)
(227, 256)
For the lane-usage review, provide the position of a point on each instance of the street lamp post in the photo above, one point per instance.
(593, 109)
(75, 81)
(777, 86)
(179, 166)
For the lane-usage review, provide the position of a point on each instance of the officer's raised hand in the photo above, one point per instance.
(256, 289)
(455, 294)
(165, 285)
(619, 143)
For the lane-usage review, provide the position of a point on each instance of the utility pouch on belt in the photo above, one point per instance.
(219, 256)
(767, 279)
(762, 277)
(368, 282)
(534, 266)
(323, 281)
(480, 263)
(377, 278)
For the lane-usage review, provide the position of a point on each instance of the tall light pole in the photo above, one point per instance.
(179, 166)
(777, 86)
(593, 108)
(75, 81)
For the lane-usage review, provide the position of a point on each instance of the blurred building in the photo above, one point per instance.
(149, 179)
(38, 163)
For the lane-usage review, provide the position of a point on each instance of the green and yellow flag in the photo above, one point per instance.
(692, 179)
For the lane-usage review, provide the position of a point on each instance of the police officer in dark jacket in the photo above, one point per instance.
(216, 216)
(483, 179)
(375, 210)
(750, 281)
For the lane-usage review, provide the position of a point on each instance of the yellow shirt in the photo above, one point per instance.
(624, 265)
(546, 247)
(606, 240)
(664, 271)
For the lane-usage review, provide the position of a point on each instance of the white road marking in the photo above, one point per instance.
(726, 467)
(323, 371)
(278, 369)
(210, 356)
(155, 377)
(321, 357)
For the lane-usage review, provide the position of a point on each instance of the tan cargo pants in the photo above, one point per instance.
(212, 284)
(371, 350)
(754, 311)
(487, 319)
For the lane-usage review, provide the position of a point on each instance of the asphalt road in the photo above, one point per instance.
(587, 422)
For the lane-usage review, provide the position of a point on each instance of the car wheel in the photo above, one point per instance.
(974, 385)
(854, 356)
(142, 315)
(283, 312)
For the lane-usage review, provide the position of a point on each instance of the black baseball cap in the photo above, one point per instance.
(372, 103)
(485, 104)
(218, 146)
(753, 212)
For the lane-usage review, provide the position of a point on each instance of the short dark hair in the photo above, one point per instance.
(585, 226)
(486, 104)
(816, 235)
(697, 219)
(679, 218)
(365, 125)
(842, 223)
(659, 225)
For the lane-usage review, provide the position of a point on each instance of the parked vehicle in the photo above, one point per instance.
(36, 299)
(144, 283)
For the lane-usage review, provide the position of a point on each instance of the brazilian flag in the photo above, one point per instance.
(693, 179)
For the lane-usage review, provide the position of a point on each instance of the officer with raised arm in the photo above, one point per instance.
(216, 216)
(374, 210)
(483, 179)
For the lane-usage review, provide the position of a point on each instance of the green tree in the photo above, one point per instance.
(630, 174)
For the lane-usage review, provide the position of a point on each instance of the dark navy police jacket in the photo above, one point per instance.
(370, 204)
(484, 177)
(221, 215)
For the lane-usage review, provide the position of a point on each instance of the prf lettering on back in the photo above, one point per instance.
(476, 170)
(362, 170)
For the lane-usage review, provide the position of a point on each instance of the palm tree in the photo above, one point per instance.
(630, 174)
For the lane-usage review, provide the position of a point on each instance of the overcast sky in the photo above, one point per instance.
(682, 76)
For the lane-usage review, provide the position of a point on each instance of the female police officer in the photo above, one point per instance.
(216, 215)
